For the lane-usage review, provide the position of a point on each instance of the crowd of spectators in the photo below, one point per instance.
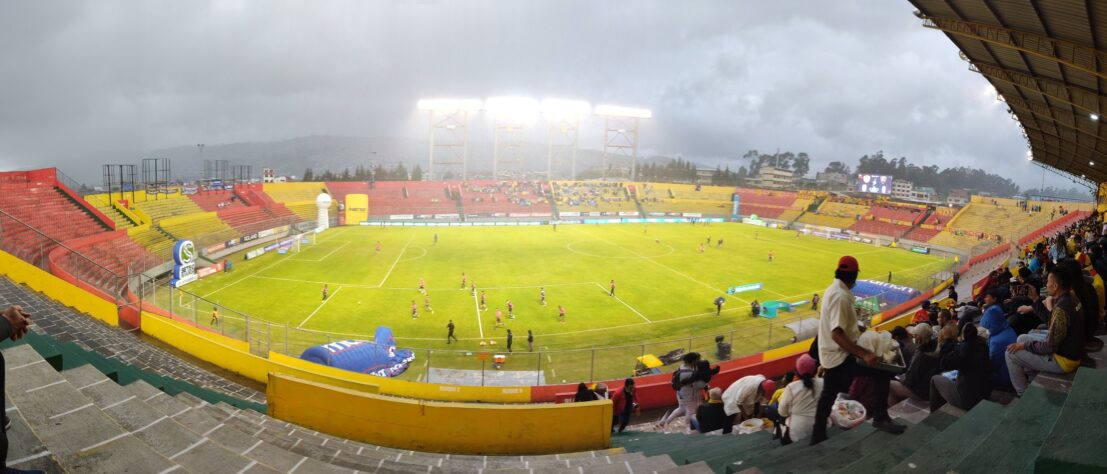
(591, 194)
(519, 193)
(1038, 315)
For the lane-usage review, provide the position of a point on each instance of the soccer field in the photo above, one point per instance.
(665, 288)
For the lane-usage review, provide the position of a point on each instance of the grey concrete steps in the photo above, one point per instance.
(25, 450)
(79, 436)
(255, 452)
(195, 452)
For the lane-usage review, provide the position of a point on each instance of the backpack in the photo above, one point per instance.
(676, 380)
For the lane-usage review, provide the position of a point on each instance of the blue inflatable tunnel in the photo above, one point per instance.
(380, 357)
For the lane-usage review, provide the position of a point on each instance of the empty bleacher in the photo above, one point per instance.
(106, 264)
(156, 241)
(168, 207)
(216, 200)
(411, 197)
(984, 219)
(769, 204)
(339, 189)
(250, 220)
(204, 228)
(834, 214)
(299, 198)
(44, 216)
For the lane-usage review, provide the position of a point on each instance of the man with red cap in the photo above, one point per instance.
(836, 343)
(747, 396)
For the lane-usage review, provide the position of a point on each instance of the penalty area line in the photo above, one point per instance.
(605, 290)
(321, 305)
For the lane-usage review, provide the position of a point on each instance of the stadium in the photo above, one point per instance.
(452, 322)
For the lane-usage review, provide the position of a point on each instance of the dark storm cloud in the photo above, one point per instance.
(84, 83)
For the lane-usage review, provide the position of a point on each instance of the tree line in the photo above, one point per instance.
(362, 173)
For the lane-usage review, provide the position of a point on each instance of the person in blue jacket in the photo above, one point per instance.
(1000, 335)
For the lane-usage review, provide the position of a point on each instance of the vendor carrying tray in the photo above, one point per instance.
(898, 366)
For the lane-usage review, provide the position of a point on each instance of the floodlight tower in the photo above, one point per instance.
(510, 116)
(620, 135)
(563, 118)
(449, 131)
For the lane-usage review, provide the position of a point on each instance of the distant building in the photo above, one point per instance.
(924, 194)
(705, 174)
(773, 178)
(832, 181)
(903, 189)
(958, 197)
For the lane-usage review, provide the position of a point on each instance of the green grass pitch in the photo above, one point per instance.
(665, 287)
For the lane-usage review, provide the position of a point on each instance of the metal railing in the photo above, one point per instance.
(554, 359)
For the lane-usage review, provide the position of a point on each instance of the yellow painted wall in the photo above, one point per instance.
(460, 428)
(234, 355)
(357, 208)
(57, 289)
(790, 349)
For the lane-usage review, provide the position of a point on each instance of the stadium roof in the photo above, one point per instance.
(1048, 61)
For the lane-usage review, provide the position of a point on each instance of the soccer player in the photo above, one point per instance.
(889, 277)
(473, 287)
(499, 319)
(815, 302)
(422, 286)
(530, 341)
(510, 310)
(770, 256)
(483, 301)
(324, 292)
(612, 288)
(427, 304)
(719, 243)
(436, 238)
(718, 306)
(450, 335)
(509, 338)
(701, 247)
(463, 280)
(709, 239)
(561, 314)
(378, 246)
(542, 295)
(414, 310)
(214, 315)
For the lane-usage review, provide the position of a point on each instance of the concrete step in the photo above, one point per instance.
(955, 442)
(768, 459)
(1075, 443)
(1015, 443)
(195, 452)
(80, 436)
(25, 450)
(902, 446)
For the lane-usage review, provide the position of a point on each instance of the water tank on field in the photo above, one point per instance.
(323, 202)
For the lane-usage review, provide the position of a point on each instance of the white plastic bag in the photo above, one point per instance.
(847, 413)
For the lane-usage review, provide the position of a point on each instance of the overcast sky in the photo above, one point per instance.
(103, 81)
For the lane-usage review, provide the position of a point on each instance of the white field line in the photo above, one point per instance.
(398, 257)
(476, 305)
(262, 269)
(340, 247)
(605, 290)
(321, 305)
(648, 259)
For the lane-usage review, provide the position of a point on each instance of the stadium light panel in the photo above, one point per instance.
(511, 108)
(1094, 117)
(1029, 156)
(449, 105)
(565, 109)
(619, 111)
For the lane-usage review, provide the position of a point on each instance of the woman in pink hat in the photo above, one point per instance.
(799, 400)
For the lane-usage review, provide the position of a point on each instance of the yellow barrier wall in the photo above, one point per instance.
(57, 289)
(461, 428)
(357, 208)
(234, 355)
(790, 349)
(131, 214)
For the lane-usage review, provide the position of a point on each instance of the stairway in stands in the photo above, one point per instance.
(1056, 426)
(73, 415)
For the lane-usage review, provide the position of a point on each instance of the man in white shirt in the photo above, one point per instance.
(837, 342)
(747, 396)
